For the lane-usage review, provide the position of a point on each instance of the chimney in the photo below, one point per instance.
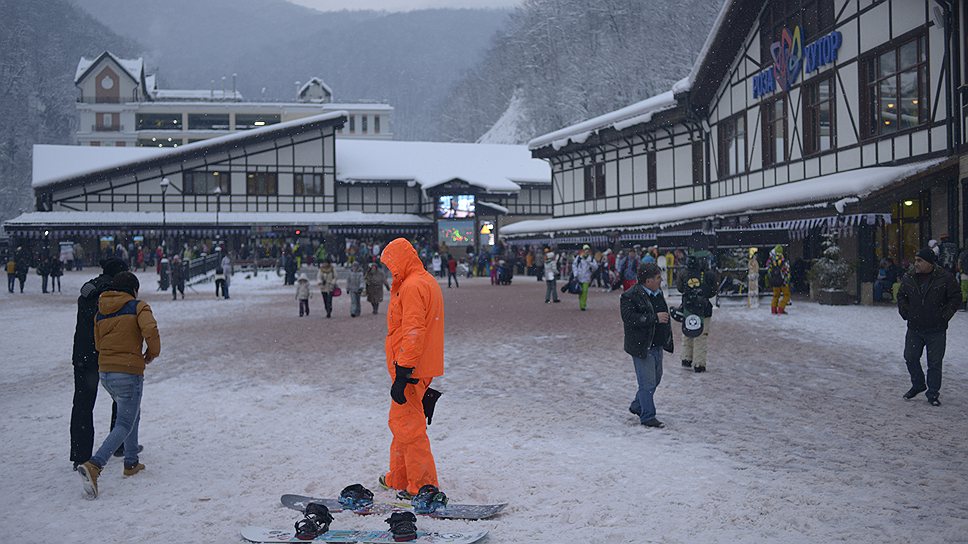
(212, 93)
(234, 77)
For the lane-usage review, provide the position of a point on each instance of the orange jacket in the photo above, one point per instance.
(415, 318)
(122, 325)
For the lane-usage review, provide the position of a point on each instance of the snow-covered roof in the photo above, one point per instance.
(824, 189)
(101, 218)
(357, 106)
(196, 94)
(314, 81)
(134, 67)
(686, 83)
(493, 206)
(640, 112)
(491, 167)
(51, 166)
(150, 82)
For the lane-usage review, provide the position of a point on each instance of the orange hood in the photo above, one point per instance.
(402, 260)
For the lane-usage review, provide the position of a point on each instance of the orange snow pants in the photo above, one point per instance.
(411, 461)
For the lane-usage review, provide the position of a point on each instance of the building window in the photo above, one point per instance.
(245, 121)
(307, 184)
(204, 183)
(698, 170)
(894, 87)
(158, 121)
(774, 117)
(363, 120)
(595, 181)
(814, 17)
(732, 145)
(159, 142)
(261, 184)
(819, 128)
(589, 181)
(208, 121)
(376, 124)
(352, 124)
(653, 182)
(107, 120)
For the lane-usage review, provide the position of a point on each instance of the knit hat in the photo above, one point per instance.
(928, 255)
(586, 246)
(112, 266)
(126, 282)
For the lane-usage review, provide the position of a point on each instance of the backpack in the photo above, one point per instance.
(776, 276)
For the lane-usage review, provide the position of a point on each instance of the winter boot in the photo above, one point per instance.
(428, 500)
(686, 363)
(699, 369)
(383, 482)
(934, 401)
(781, 311)
(131, 470)
(773, 309)
(914, 391)
(404, 495)
(356, 497)
(654, 423)
(403, 526)
(89, 473)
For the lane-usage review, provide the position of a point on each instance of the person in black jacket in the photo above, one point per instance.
(645, 317)
(927, 300)
(85, 363)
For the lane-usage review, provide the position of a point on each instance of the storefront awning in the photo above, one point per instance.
(819, 192)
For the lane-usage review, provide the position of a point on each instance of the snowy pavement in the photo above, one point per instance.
(796, 434)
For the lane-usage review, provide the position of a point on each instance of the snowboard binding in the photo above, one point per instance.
(355, 497)
(403, 526)
(315, 523)
(428, 500)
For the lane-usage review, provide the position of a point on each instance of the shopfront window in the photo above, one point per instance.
(208, 121)
(895, 87)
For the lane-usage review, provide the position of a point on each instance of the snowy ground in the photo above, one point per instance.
(796, 434)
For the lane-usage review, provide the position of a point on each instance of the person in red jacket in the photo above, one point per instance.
(452, 270)
(414, 357)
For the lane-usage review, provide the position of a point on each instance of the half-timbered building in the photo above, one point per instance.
(799, 117)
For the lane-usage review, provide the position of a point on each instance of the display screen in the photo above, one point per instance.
(456, 233)
(455, 207)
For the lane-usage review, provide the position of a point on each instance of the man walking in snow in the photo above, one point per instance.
(645, 317)
(414, 357)
(927, 300)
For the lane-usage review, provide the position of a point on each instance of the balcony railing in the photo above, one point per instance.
(103, 128)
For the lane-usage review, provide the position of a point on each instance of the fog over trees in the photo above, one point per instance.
(569, 60)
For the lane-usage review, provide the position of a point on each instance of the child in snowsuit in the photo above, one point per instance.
(303, 294)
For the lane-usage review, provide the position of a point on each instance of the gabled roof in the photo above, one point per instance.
(640, 112)
(134, 68)
(316, 81)
(54, 170)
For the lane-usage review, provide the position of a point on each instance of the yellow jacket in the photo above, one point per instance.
(122, 325)
(11, 267)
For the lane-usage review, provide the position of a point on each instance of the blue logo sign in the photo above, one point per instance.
(789, 58)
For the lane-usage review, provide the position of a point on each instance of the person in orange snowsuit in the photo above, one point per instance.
(415, 356)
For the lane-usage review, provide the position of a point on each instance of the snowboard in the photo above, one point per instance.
(451, 511)
(262, 535)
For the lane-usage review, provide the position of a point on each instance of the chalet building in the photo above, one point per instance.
(119, 105)
(800, 117)
(294, 180)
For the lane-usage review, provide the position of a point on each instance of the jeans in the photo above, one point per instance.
(126, 390)
(354, 303)
(219, 287)
(11, 280)
(303, 307)
(452, 275)
(327, 302)
(551, 290)
(648, 374)
(914, 344)
(583, 297)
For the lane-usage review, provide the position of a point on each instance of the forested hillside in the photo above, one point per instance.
(567, 60)
(40, 44)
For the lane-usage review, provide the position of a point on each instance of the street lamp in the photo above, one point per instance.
(164, 219)
(218, 205)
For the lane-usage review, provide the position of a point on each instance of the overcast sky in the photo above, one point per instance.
(404, 5)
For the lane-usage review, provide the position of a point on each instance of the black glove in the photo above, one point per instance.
(429, 402)
(400, 381)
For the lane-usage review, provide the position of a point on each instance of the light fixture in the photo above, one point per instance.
(215, 173)
(909, 203)
(154, 139)
(887, 122)
(915, 101)
(890, 105)
(169, 139)
(259, 123)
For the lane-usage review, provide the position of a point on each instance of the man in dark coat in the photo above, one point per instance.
(645, 316)
(85, 362)
(927, 300)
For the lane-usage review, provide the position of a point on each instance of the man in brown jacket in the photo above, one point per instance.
(122, 326)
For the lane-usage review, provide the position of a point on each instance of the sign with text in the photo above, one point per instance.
(790, 58)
